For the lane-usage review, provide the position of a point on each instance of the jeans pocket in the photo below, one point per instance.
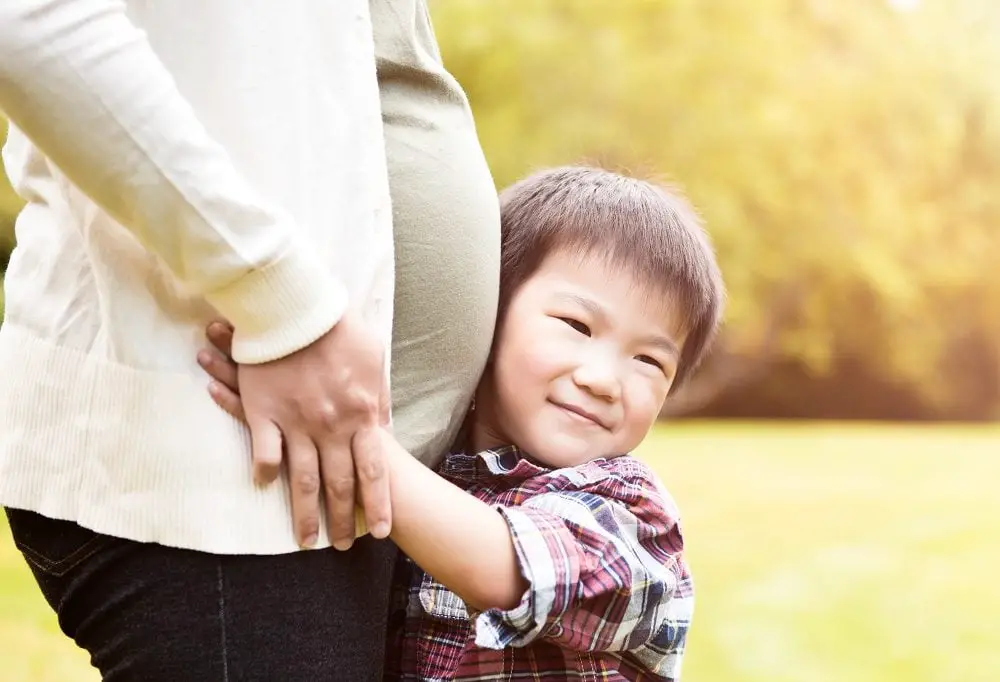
(53, 546)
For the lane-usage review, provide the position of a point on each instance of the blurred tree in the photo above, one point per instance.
(9, 205)
(842, 153)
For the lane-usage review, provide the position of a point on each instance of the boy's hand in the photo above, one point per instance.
(225, 387)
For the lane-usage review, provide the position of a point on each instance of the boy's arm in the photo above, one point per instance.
(461, 541)
(606, 573)
(599, 569)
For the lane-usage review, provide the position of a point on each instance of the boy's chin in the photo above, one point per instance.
(565, 451)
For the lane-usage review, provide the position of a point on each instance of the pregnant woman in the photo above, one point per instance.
(182, 161)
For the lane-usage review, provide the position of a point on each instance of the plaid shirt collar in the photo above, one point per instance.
(507, 462)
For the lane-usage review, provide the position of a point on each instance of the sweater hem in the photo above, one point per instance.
(135, 454)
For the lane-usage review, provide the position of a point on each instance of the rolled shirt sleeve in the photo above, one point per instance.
(603, 576)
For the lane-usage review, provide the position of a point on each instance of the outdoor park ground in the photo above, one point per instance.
(826, 552)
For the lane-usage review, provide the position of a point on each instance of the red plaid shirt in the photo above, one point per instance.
(610, 596)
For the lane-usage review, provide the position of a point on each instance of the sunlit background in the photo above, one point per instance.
(837, 456)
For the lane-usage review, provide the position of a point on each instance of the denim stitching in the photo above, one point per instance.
(222, 624)
(63, 566)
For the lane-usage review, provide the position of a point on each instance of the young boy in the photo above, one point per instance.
(543, 551)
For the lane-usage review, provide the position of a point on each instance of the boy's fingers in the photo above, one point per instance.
(221, 369)
(221, 336)
(227, 400)
(223, 323)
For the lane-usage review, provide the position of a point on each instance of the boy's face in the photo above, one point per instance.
(584, 360)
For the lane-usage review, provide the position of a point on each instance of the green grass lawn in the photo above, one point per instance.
(32, 649)
(821, 553)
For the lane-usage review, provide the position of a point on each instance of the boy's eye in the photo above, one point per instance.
(650, 361)
(577, 325)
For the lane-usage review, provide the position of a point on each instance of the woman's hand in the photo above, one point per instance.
(225, 391)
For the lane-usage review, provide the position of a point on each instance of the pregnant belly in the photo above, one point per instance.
(447, 243)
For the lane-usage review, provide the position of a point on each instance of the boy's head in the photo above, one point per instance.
(609, 298)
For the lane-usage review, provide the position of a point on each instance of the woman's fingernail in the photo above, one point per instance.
(203, 357)
(310, 541)
(380, 530)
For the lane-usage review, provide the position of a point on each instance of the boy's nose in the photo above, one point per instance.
(598, 376)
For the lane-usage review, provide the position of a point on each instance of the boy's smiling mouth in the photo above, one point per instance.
(580, 414)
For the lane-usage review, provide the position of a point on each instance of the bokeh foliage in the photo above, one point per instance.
(845, 156)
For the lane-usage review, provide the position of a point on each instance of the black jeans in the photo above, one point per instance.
(148, 612)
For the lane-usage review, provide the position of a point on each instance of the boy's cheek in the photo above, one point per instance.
(644, 410)
(548, 358)
(530, 367)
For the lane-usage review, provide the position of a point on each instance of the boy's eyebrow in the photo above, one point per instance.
(591, 307)
(664, 343)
